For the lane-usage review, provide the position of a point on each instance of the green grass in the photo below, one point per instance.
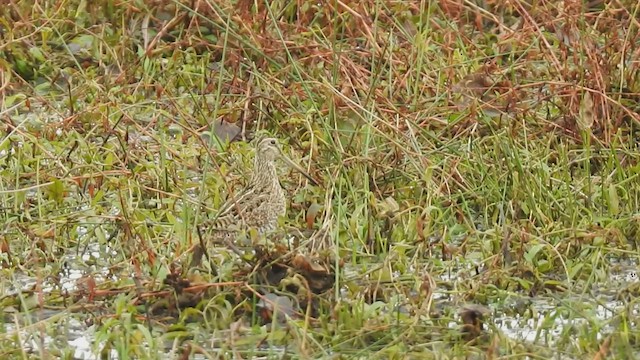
(461, 164)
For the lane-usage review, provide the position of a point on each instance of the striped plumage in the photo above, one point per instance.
(258, 206)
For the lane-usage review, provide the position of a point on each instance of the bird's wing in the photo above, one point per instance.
(239, 211)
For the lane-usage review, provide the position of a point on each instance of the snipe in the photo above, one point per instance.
(259, 205)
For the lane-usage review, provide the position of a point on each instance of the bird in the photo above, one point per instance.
(258, 206)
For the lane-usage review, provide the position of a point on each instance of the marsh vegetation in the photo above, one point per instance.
(477, 166)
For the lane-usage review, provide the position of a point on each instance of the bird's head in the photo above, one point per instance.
(268, 149)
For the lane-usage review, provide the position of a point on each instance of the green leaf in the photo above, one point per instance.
(56, 191)
(575, 269)
(614, 200)
(37, 54)
(533, 251)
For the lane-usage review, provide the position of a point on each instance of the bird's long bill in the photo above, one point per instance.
(298, 168)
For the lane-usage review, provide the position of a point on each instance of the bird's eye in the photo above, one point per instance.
(273, 142)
